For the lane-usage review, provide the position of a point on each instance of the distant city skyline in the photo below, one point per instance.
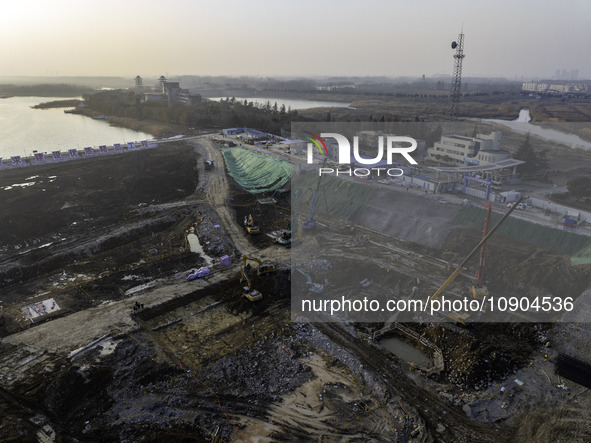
(526, 39)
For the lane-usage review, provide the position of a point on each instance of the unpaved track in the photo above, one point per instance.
(433, 409)
(218, 189)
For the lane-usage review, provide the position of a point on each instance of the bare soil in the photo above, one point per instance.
(200, 360)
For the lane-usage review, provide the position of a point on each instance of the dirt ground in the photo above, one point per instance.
(200, 361)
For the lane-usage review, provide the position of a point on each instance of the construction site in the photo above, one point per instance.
(156, 296)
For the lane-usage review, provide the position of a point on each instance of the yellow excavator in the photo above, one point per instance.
(249, 225)
(264, 268)
(248, 292)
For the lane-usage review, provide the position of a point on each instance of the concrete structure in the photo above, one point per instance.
(493, 174)
(151, 97)
(232, 131)
(480, 150)
(172, 93)
(478, 159)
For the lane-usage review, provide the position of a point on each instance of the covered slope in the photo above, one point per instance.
(256, 172)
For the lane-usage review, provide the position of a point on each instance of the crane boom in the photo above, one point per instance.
(460, 267)
(480, 275)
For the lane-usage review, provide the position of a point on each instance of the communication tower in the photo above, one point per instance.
(456, 81)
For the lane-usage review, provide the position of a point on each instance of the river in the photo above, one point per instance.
(24, 129)
(522, 124)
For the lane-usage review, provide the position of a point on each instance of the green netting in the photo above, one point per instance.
(582, 257)
(575, 245)
(256, 172)
(337, 198)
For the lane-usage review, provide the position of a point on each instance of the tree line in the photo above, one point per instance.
(228, 112)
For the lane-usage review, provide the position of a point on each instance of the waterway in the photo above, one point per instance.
(196, 247)
(522, 125)
(406, 351)
(24, 129)
(289, 103)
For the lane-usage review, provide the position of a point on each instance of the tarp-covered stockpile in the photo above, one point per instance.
(256, 172)
(337, 198)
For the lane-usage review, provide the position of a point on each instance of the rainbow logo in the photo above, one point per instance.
(315, 140)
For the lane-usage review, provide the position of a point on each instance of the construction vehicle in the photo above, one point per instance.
(464, 316)
(284, 238)
(310, 223)
(312, 287)
(249, 225)
(264, 268)
(248, 292)
(281, 237)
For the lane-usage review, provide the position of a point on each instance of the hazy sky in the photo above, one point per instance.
(310, 37)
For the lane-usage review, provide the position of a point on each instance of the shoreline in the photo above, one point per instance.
(156, 129)
(58, 156)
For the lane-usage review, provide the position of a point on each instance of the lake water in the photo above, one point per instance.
(24, 129)
(522, 124)
(293, 103)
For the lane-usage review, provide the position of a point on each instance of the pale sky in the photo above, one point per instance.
(293, 38)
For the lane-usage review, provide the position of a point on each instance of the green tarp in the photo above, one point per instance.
(575, 245)
(337, 198)
(256, 172)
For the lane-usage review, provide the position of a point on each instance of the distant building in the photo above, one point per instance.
(172, 93)
(480, 150)
(566, 75)
(334, 87)
(151, 97)
(557, 87)
(232, 131)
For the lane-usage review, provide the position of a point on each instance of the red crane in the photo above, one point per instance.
(480, 272)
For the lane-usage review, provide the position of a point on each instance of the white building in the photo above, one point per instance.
(480, 150)
(557, 87)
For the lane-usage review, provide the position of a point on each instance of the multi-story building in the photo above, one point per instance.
(557, 87)
(172, 92)
(480, 150)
